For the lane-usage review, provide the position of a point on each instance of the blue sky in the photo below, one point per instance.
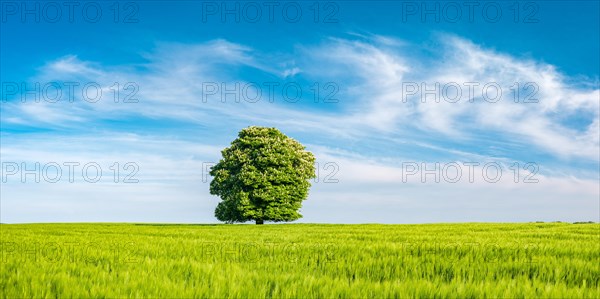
(367, 127)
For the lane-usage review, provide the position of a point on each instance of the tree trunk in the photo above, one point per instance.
(259, 221)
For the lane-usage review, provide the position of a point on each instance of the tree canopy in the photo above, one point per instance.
(263, 176)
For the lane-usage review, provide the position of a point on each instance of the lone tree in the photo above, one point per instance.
(263, 176)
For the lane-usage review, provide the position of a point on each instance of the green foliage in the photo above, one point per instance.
(263, 176)
(530, 260)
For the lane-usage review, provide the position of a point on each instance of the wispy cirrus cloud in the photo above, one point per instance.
(376, 96)
(376, 125)
(382, 98)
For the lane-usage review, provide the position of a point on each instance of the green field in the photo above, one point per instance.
(554, 260)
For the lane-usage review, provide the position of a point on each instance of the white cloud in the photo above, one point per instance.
(382, 71)
(360, 189)
(371, 77)
(353, 133)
